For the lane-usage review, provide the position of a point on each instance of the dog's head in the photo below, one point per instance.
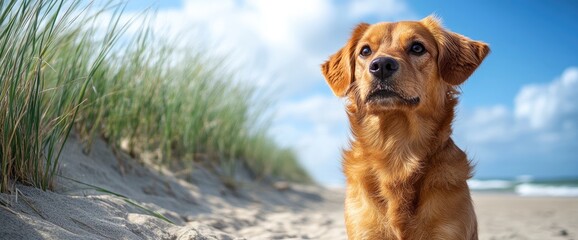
(402, 65)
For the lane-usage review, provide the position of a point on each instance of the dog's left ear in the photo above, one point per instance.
(339, 70)
(458, 56)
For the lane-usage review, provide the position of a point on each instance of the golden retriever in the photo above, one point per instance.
(406, 179)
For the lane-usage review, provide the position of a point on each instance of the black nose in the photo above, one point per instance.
(383, 67)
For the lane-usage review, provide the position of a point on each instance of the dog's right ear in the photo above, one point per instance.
(339, 70)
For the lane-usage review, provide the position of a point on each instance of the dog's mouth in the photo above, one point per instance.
(383, 95)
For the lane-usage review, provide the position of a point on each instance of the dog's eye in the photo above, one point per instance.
(417, 48)
(365, 51)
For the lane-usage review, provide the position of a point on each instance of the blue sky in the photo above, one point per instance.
(518, 113)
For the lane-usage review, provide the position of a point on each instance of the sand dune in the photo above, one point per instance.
(204, 208)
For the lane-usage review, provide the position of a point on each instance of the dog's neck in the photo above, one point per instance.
(403, 140)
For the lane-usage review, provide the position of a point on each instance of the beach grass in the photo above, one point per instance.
(64, 72)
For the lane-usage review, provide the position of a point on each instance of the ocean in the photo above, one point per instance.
(527, 186)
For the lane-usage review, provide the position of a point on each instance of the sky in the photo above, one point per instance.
(518, 113)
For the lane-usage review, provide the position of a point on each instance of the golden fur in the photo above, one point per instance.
(406, 179)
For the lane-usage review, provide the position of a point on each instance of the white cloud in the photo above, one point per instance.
(542, 112)
(490, 124)
(541, 106)
(539, 133)
(317, 109)
(317, 128)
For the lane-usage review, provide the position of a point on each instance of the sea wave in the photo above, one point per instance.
(529, 189)
(475, 184)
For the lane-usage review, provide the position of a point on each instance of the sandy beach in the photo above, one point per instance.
(205, 208)
(505, 216)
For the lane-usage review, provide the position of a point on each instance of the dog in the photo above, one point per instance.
(405, 177)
